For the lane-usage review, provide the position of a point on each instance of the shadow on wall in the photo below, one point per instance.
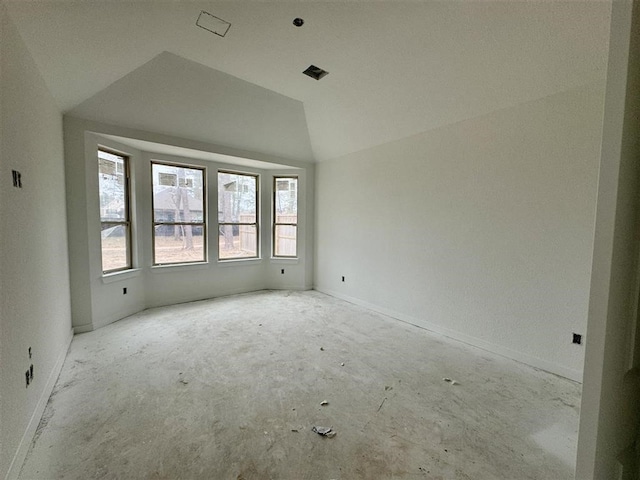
(630, 457)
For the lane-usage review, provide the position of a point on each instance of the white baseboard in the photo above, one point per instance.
(83, 328)
(293, 288)
(34, 421)
(571, 374)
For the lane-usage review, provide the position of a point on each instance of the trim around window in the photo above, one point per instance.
(238, 214)
(284, 232)
(179, 214)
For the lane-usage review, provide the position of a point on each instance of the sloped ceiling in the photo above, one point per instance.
(396, 68)
(174, 96)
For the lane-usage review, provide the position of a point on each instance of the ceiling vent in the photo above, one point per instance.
(213, 24)
(315, 72)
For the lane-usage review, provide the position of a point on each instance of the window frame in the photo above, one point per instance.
(202, 224)
(127, 224)
(275, 222)
(256, 224)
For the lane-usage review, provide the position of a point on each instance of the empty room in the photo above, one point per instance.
(320, 240)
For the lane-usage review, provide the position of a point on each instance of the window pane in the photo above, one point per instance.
(285, 240)
(237, 197)
(115, 239)
(286, 200)
(178, 194)
(178, 243)
(238, 241)
(112, 186)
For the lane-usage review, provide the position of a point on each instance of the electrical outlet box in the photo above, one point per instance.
(577, 339)
(343, 278)
(17, 178)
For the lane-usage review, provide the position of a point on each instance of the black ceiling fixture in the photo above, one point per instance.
(315, 72)
(298, 22)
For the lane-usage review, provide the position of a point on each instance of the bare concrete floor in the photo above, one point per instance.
(230, 388)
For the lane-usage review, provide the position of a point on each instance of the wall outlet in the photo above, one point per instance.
(282, 271)
(343, 278)
(577, 339)
(124, 290)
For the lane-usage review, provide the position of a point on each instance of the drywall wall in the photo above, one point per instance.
(34, 309)
(481, 230)
(610, 410)
(99, 299)
(298, 273)
(165, 95)
(88, 307)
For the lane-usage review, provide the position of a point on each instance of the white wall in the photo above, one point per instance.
(95, 301)
(35, 310)
(610, 410)
(99, 300)
(481, 230)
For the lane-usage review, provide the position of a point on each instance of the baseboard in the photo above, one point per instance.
(83, 328)
(34, 421)
(293, 288)
(571, 374)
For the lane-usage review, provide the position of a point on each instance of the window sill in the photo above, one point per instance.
(180, 266)
(285, 260)
(119, 276)
(235, 262)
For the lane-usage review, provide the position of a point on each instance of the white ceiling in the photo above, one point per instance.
(396, 68)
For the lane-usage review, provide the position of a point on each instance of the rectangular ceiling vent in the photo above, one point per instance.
(213, 24)
(315, 72)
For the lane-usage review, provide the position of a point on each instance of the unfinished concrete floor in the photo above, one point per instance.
(230, 388)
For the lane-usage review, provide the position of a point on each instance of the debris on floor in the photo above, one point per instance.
(324, 402)
(322, 349)
(451, 381)
(383, 400)
(324, 431)
(387, 388)
(342, 364)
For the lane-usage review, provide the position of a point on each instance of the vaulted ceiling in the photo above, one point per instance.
(395, 68)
